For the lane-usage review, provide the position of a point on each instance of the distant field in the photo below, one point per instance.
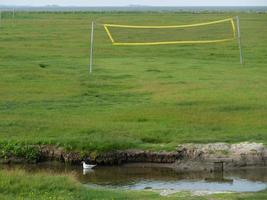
(151, 97)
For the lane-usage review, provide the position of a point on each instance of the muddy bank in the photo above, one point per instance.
(109, 158)
(187, 157)
(221, 156)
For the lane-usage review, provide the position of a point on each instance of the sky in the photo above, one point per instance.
(135, 2)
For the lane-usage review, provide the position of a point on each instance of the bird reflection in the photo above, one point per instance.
(87, 171)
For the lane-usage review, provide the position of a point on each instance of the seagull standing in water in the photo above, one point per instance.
(86, 166)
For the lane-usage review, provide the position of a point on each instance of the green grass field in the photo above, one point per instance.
(150, 97)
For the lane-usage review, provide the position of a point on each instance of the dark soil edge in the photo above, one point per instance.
(188, 157)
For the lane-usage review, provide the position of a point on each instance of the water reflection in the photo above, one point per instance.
(87, 171)
(218, 177)
(139, 178)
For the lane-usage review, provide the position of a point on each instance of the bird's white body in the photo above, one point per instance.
(86, 166)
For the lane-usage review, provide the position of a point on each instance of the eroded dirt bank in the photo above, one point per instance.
(187, 157)
(198, 157)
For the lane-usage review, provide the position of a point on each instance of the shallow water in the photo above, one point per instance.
(144, 177)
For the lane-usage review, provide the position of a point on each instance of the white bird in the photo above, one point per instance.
(86, 166)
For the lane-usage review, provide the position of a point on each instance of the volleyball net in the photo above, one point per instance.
(199, 33)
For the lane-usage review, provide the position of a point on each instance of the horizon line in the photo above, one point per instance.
(56, 5)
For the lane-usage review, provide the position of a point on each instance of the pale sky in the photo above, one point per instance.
(134, 2)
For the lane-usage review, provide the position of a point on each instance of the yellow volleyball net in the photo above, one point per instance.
(198, 33)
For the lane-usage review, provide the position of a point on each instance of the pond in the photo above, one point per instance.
(143, 177)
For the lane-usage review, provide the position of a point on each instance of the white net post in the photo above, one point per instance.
(13, 16)
(239, 40)
(0, 18)
(91, 48)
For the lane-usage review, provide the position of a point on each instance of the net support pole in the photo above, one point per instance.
(91, 48)
(0, 18)
(239, 40)
(13, 15)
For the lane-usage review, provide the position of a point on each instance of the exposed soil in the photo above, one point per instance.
(187, 157)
